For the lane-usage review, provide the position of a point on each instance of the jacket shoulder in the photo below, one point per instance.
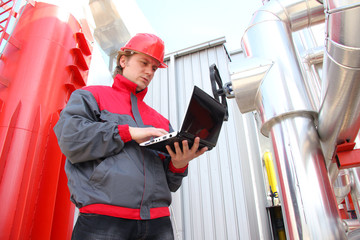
(98, 90)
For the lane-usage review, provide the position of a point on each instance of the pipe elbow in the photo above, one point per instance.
(295, 14)
(246, 85)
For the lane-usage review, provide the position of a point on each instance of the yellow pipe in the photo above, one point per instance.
(269, 165)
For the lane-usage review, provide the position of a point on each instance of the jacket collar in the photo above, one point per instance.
(123, 84)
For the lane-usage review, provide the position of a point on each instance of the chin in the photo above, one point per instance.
(140, 88)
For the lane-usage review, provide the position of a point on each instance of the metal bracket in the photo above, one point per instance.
(347, 156)
(219, 91)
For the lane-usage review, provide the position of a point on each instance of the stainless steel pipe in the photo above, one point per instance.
(339, 115)
(342, 185)
(306, 193)
(355, 189)
(287, 115)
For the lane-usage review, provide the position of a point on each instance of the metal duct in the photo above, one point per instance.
(310, 58)
(246, 84)
(355, 189)
(351, 225)
(342, 185)
(309, 206)
(339, 115)
(110, 32)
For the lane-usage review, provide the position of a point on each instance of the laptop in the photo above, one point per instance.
(203, 118)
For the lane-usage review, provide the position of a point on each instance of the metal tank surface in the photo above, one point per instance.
(45, 59)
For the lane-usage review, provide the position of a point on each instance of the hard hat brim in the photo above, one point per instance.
(123, 52)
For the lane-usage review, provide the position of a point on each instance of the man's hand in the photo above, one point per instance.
(144, 134)
(181, 158)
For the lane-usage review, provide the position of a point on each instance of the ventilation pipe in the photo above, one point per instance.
(339, 115)
(287, 115)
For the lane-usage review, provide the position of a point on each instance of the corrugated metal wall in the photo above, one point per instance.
(224, 195)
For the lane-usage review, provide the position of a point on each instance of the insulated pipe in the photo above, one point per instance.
(246, 85)
(310, 58)
(355, 189)
(308, 202)
(342, 185)
(351, 225)
(339, 115)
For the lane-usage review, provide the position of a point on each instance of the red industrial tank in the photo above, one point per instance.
(46, 58)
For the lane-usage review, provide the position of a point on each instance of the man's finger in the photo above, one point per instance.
(185, 146)
(170, 151)
(158, 132)
(196, 144)
(201, 151)
(177, 148)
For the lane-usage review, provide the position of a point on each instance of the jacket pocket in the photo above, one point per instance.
(101, 170)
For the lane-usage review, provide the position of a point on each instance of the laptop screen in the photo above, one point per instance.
(204, 116)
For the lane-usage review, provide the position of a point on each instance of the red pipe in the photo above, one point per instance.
(37, 75)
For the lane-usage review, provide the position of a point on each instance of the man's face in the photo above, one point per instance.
(140, 69)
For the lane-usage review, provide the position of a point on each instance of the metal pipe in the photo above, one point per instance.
(246, 84)
(355, 189)
(342, 185)
(309, 59)
(339, 115)
(296, 14)
(354, 234)
(111, 32)
(287, 115)
(351, 224)
(283, 94)
(309, 209)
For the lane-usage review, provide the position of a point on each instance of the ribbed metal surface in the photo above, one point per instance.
(223, 196)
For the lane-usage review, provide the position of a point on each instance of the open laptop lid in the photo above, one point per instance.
(204, 117)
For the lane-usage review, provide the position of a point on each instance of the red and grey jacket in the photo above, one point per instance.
(109, 173)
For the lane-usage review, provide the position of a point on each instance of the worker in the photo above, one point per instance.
(122, 190)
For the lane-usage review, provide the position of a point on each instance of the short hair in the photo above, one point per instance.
(118, 69)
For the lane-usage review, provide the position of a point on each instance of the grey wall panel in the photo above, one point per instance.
(216, 200)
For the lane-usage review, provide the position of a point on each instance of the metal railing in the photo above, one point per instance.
(9, 13)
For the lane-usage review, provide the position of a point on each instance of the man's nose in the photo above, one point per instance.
(150, 70)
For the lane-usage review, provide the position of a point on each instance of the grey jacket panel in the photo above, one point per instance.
(82, 136)
(128, 176)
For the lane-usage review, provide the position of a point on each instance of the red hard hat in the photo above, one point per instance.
(148, 44)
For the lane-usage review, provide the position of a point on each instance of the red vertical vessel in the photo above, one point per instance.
(46, 58)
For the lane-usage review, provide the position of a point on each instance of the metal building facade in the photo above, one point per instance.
(224, 195)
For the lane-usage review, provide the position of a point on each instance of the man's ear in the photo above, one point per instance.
(122, 61)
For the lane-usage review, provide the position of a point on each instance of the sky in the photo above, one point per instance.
(180, 23)
(185, 23)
